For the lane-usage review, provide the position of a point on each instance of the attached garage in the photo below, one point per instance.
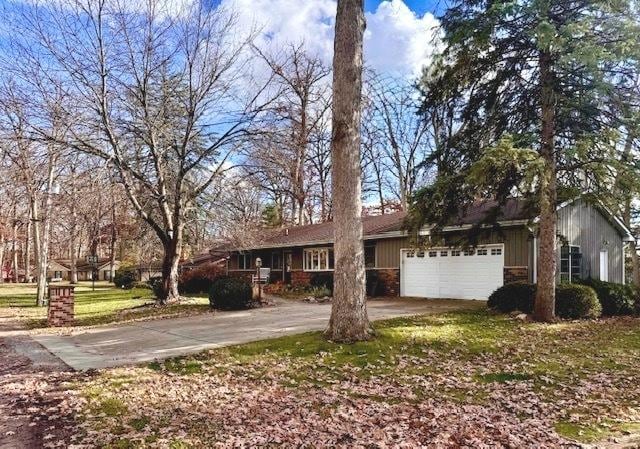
(452, 272)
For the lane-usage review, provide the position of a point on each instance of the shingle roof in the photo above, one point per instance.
(388, 223)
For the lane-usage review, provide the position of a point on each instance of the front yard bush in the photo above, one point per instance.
(125, 277)
(574, 301)
(229, 293)
(200, 279)
(514, 296)
(616, 299)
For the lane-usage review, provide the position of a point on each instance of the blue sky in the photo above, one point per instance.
(418, 6)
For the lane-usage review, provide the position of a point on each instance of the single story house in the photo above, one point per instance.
(591, 244)
(60, 270)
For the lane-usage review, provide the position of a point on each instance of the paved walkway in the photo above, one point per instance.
(125, 344)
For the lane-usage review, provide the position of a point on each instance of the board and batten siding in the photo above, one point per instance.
(516, 248)
(583, 225)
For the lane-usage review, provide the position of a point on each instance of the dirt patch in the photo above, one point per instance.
(34, 398)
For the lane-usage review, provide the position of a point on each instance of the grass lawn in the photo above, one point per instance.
(460, 379)
(107, 304)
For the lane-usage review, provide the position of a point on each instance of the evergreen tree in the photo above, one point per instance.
(538, 89)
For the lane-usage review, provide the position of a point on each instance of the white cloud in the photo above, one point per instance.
(397, 41)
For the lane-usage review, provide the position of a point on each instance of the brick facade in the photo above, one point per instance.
(300, 278)
(61, 306)
(516, 274)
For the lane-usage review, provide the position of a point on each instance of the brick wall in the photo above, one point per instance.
(300, 278)
(61, 305)
(516, 274)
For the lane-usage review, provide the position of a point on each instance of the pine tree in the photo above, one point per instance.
(536, 87)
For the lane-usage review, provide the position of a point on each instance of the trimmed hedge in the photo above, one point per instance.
(229, 293)
(616, 299)
(513, 296)
(200, 279)
(573, 301)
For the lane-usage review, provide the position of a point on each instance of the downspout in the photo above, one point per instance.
(535, 254)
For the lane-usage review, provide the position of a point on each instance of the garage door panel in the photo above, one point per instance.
(445, 275)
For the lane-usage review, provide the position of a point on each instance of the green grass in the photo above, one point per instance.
(107, 304)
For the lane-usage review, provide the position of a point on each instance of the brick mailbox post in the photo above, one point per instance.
(61, 298)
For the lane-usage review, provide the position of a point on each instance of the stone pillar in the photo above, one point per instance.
(61, 299)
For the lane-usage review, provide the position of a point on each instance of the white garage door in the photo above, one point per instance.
(452, 273)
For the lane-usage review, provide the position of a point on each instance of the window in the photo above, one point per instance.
(420, 254)
(410, 253)
(570, 263)
(276, 261)
(496, 251)
(244, 261)
(444, 253)
(468, 252)
(370, 256)
(318, 259)
(481, 252)
(433, 253)
(455, 252)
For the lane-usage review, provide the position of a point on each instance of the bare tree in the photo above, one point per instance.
(349, 321)
(163, 98)
(404, 135)
(294, 143)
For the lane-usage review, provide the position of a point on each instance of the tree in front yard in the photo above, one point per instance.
(538, 89)
(161, 95)
(349, 321)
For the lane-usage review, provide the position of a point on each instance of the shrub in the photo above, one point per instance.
(229, 293)
(125, 277)
(199, 279)
(322, 280)
(156, 285)
(616, 299)
(575, 301)
(514, 296)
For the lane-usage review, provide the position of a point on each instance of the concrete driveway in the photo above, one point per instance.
(126, 344)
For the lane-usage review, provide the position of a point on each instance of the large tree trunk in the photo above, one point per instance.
(349, 321)
(170, 265)
(544, 309)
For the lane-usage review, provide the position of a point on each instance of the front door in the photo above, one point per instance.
(604, 265)
(288, 261)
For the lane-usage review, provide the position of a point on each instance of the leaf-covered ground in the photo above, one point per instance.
(466, 379)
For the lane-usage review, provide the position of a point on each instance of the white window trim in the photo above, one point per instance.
(560, 267)
(321, 250)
